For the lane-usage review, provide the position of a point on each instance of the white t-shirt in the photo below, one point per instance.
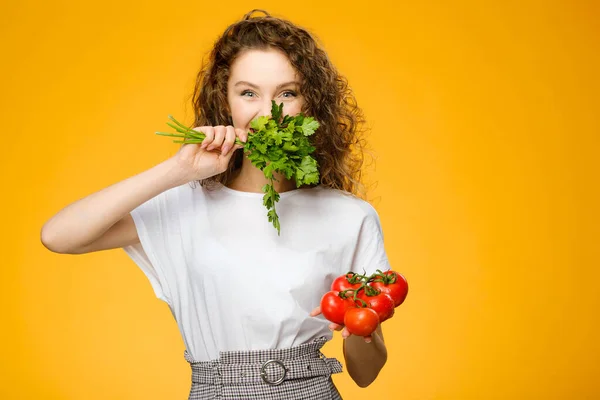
(231, 282)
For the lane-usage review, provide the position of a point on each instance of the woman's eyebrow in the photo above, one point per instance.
(252, 85)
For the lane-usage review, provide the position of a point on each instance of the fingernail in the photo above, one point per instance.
(368, 341)
(224, 150)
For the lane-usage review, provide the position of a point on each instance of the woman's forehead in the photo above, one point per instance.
(267, 66)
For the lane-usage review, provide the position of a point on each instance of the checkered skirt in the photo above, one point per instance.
(295, 373)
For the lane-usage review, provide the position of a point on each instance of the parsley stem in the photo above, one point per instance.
(177, 122)
(177, 128)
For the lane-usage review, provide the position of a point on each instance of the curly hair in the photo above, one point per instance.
(339, 140)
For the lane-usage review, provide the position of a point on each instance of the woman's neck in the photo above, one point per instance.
(251, 179)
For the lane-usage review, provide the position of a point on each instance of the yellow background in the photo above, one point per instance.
(486, 125)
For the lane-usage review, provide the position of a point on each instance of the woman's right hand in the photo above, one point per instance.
(212, 156)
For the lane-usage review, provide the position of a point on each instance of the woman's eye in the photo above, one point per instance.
(289, 93)
(245, 92)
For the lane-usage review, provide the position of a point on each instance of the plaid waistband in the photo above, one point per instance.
(271, 366)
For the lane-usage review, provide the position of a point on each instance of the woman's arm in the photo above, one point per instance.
(102, 220)
(364, 359)
(364, 356)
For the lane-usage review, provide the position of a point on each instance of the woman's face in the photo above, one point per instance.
(257, 77)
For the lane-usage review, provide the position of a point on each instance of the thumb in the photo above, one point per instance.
(241, 134)
(225, 158)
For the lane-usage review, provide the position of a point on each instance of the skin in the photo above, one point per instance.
(102, 220)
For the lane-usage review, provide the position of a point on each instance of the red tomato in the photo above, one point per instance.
(334, 307)
(341, 283)
(361, 321)
(382, 303)
(393, 284)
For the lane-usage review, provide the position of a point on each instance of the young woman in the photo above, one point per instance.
(246, 299)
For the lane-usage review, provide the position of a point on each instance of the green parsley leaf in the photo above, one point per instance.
(309, 126)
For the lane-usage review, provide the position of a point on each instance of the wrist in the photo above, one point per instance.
(175, 173)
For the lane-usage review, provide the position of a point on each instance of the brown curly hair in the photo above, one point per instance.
(339, 140)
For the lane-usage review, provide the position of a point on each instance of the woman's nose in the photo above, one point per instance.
(266, 107)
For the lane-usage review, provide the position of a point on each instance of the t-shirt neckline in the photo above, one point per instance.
(282, 195)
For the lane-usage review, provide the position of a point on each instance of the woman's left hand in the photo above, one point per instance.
(336, 327)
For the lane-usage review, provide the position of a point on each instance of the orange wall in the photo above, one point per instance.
(485, 121)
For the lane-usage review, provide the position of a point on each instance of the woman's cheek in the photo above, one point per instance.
(243, 123)
(296, 106)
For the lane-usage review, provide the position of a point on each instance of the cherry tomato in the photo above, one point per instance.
(361, 321)
(382, 303)
(341, 283)
(334, 307)
(393, 284)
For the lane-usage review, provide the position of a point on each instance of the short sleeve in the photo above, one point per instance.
(156, 222)
(370, 252)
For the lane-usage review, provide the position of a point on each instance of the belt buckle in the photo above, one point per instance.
(263, 372)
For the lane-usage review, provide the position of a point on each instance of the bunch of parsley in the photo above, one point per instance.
(275, 144)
